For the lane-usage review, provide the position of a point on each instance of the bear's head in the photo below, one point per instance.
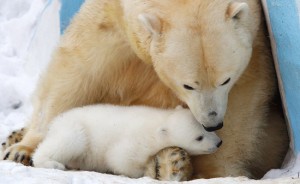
(199, 49)
(181, 129)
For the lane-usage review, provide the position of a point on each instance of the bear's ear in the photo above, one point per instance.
(151, 23)
(237, 10)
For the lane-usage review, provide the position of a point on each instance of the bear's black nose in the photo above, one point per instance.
(211, 129)
(219, 144)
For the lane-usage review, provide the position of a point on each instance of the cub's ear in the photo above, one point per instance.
(151, 23)
(164, 131)
(237, 10)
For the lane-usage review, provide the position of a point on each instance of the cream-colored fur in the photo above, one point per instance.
(164, 53)
(120, 140)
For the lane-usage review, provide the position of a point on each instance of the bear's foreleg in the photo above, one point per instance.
(60, 90)
(13, 138)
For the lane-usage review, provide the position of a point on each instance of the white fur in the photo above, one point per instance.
(107, 138)
(197, 58)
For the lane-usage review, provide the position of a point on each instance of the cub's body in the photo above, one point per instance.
(120, 140)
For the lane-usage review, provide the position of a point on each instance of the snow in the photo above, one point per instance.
(290, 169)
(29, 30)
(18, 19)
(14, 173)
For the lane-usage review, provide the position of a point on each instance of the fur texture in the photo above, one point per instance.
(120, 140)
(210, 55)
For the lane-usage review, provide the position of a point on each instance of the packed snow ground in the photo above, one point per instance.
(29, 30)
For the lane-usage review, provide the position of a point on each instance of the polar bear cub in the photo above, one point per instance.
(120, 140)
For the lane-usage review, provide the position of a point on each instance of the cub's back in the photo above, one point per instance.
(107, 121)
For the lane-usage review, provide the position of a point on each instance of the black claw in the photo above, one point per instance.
(16, 156)
(31, 162)
(6, 156)
(3, 144)
(22, 158)
(13, 132)
(182, 152)
(173, 153)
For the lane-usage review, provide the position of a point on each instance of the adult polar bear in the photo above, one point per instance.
(164, 54)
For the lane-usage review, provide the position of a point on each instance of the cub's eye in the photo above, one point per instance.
(200, 138)
(188, 87)
(224, 83)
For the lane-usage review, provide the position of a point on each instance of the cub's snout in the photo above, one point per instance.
(186, 132)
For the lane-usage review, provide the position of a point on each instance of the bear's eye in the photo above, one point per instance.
(200, 138)
(226, 82)
(188, 87)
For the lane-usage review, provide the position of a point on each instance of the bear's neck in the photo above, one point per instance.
(131, 81)
(123, 77)
(134, 82)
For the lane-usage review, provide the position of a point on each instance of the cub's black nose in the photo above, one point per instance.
(211, 129)
(219, 144)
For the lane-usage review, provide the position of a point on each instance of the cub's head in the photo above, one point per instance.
(199, 49)
(182, 129)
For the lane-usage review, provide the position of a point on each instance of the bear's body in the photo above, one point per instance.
(211, 55)
(120, 140)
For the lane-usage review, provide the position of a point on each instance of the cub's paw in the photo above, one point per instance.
(19, 153)
(170, 164)
(13, 138)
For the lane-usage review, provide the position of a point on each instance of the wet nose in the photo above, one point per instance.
(211, 129)
(219, 144)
